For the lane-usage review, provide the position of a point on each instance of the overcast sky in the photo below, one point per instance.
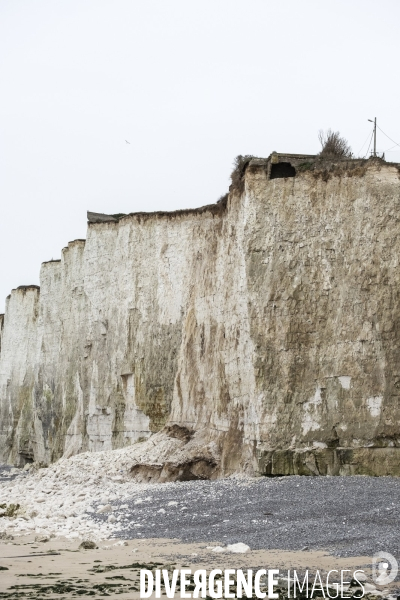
(190, 84)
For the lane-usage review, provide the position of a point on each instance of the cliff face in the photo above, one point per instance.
(261, 335)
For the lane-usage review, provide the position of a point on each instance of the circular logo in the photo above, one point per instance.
(384, 568)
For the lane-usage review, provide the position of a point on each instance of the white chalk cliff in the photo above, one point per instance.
(260, 334)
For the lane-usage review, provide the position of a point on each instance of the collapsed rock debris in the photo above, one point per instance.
(345, 515)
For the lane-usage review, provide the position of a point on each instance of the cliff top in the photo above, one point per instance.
(278, 165)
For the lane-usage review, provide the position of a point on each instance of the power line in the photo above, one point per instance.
(359, 152)
(391, 148)
(369, 145)
(395, 143)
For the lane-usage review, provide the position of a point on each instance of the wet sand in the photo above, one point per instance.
(113, 570)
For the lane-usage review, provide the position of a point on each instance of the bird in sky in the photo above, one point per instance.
(127, 142)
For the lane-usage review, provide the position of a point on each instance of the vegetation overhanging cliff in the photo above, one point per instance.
(260, 334)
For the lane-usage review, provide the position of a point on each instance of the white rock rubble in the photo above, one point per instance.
(60, 500)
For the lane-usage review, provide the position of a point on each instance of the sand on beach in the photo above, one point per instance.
(113, 568)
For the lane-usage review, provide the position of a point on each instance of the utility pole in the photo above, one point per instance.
(374, 122)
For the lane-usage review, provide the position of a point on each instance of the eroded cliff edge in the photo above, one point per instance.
(260, 334)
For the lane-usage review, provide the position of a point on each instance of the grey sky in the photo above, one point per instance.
(190, 85)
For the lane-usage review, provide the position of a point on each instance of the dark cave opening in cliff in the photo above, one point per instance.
(281, 170)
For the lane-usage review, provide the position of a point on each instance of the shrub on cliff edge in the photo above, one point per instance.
(237, 176)
(333, 145)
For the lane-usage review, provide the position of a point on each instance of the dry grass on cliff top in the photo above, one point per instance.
(240, 165)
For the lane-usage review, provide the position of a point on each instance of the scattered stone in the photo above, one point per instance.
(111, 519)
(9, 510)
(88, 545)
(5, 536)
(42, 539)
(304, 548)
(122, 543)
(104, 509)
(238, 548)
(370, 589)
(218, 549)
